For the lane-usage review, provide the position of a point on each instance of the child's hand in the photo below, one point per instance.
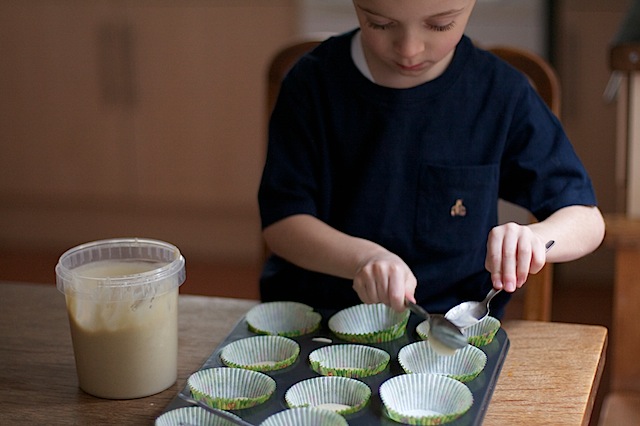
(385, 278)
(513, 252)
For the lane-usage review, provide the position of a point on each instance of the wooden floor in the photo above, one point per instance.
(570, 304)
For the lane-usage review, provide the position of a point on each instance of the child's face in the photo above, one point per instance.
(409, 42)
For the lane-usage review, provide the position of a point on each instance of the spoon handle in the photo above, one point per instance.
(492, 293)
(417, 309)
(220, 413)
(549, 244)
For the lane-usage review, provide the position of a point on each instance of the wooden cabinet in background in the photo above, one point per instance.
(583, 31)
(59, 137)
(143, 117)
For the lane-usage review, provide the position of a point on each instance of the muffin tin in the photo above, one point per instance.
(373, 413)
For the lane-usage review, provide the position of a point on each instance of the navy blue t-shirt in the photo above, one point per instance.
(419, 170)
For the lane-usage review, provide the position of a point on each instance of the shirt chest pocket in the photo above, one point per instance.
(457, 206)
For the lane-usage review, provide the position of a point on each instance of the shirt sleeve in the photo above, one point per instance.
(540, 170)
(288, 185)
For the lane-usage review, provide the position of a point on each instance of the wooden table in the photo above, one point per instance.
(551, 374)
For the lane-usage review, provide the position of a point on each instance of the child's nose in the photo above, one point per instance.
(409, 44)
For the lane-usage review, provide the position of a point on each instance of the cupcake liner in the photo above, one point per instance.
(423, 330)
(288, 319)
(231, 388)
(193, 416)
(348, 360)
(482, 333)
(425, 399)
(366, 323)
(305, 416)
(464, 365)
(340, 394)
(261, 353)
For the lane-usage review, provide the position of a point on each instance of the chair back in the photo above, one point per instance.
(539, 288)
(280, 65)
(540, 73)
(538, 291)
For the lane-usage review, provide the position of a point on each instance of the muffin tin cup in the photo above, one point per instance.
(193, 416)
(289, 319)
(422, 330)
(305, 416)
(348, 360)
(261, 353)
(482, 333)
(425, 399)
(231, 388)
(366, 323)
(465, 365)
(479, 334)
(340, 394)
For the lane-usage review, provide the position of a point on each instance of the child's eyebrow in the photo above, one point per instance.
(447, 13)
(437, 15)
(371, 12)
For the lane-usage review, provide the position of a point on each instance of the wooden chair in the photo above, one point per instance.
(540, 73)
(538, 290)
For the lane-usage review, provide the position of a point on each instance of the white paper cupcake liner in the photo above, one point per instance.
(193, 416)
(369, 323)
(340, 394)
(464, 365)
(261, 353)
(425, 399)
(348, 360)
(288, 319)
(231, 388)
(423, 329)
(482, 333)
(305, 416)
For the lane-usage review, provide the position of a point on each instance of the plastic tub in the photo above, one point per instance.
(122, 301)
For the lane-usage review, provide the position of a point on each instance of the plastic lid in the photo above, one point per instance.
(162, 269)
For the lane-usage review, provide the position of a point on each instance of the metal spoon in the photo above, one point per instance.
(444, 336)
(219, 413)
(467, 314)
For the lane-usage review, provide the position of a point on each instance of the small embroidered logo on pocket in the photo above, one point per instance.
(458, 209)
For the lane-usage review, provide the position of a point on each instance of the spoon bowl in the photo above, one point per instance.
(445, 337)
(466, 314)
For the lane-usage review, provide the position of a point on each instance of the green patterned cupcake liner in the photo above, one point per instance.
(465, 365)
(339, 394)
(193, 416)
(364, 323)
(482, 333)
(479, 334)
(349, 360)
(423, 330)
(261, 353)
(305, 416)
(289, 319)
(231, 388)
(425, 399)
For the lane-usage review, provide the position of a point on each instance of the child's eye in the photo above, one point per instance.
(438, 28)
(377, 26)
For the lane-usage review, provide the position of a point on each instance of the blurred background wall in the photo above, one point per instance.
(146, 117)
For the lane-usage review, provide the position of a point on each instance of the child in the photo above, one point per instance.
(389, 147)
